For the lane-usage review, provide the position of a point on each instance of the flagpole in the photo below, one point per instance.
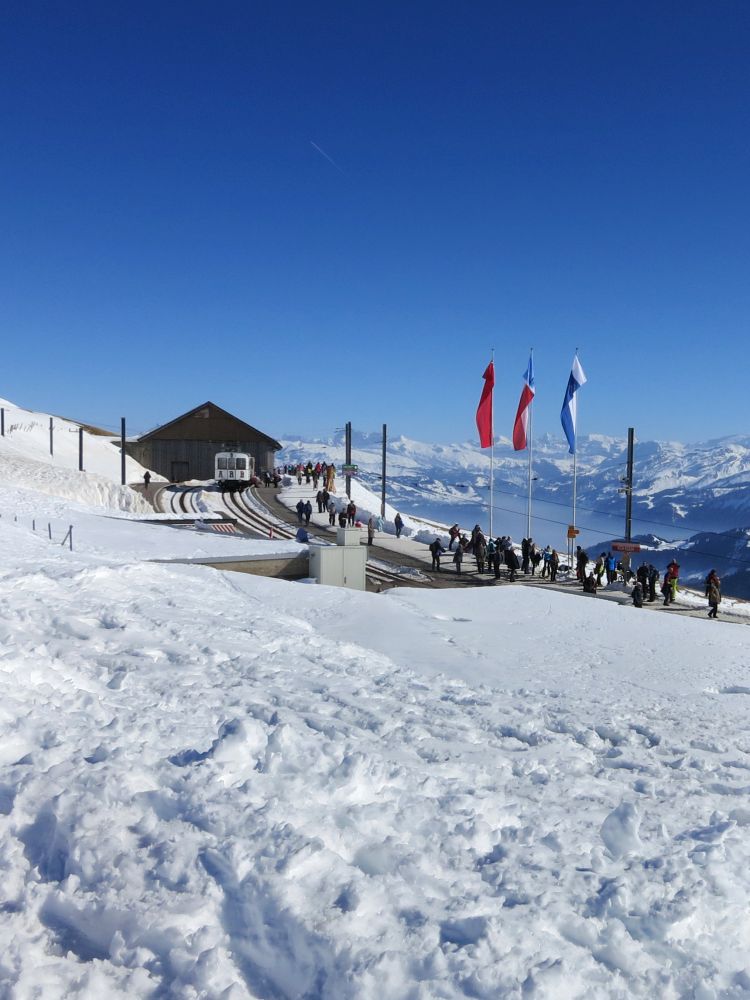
(492, 453)
(575, 459)
(531, 414)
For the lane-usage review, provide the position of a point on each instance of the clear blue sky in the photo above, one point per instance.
(504, 175)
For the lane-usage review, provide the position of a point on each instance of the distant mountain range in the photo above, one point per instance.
(692, 500)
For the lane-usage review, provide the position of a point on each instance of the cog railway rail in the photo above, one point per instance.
(254, 518)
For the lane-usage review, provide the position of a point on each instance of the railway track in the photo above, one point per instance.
(179, 500)
(255, 518)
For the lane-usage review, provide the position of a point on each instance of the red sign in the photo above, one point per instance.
(626, 547)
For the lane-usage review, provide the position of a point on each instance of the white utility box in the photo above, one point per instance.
(342, 564)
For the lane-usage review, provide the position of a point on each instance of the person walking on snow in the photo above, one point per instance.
(370, 529)
(398, 524)
(713, 593)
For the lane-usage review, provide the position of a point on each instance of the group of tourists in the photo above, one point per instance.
(492, 553)
(321, 472)
(646, 580)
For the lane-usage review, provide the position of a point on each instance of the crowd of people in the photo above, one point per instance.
(491, 554)
(323, 473)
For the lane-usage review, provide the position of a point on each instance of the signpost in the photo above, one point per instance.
(625, 547)
(350, 470)
(573, 532)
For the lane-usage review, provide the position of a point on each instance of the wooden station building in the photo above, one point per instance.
(186, 447)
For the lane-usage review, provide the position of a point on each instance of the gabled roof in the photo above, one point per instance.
(243, 429)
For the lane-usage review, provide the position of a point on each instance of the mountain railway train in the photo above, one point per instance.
(234, 470)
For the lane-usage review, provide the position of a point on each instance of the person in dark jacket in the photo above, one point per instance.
(524, 555)
(582, 560)
(642, 577)
(308, 512)
(436, 550)
(300, 508)
(453, 534)
(637, 594)
(653, 579)
(398, 524)
(589, 584)
(535, 555)
(497, 557)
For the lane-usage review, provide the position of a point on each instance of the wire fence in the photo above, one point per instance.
(61, 535)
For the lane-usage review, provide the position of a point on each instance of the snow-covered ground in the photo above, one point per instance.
(221, 786)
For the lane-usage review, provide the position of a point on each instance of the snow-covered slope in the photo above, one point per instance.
(225, 787)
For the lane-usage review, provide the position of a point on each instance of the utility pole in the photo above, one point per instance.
(382, 481)
(348, 459)
(122, 449)
(80, 449)
(51, 436)
(629, 488)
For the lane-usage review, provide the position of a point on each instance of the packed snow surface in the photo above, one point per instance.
(215, 785)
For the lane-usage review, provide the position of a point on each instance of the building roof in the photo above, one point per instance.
(210, 411)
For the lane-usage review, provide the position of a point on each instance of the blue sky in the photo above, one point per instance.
(504, 175)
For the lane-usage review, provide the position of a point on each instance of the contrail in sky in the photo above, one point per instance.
(323, 153)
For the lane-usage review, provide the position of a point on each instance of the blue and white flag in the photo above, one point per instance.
(568, 412)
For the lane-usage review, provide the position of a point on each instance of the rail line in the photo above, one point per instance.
(255, 518)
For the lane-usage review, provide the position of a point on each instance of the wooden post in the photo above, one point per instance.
(51, 436)
(80, 449)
